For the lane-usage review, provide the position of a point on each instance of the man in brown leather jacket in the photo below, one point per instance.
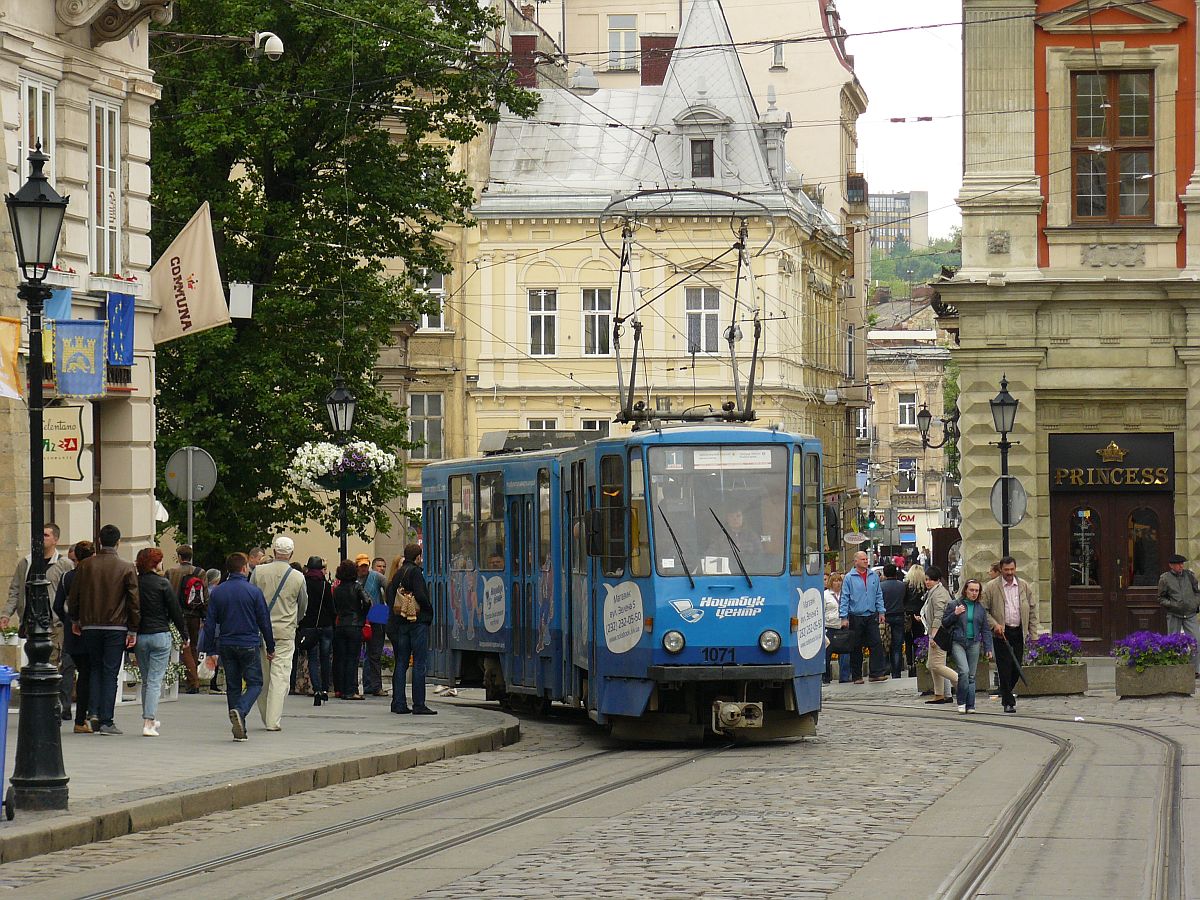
(104, 606)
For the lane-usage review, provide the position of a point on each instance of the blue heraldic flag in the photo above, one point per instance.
(80, 351)
(120, 329)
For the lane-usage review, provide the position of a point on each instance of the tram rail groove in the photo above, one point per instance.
(966, 880)
(520, 818)
(211, 865)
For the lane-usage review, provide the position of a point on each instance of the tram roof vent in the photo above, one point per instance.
(492, 443)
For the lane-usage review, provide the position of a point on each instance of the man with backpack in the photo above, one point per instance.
(190, 587)
(1179, 595)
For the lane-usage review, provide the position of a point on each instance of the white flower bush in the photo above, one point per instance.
(320, 459)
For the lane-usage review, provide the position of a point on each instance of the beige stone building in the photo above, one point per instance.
(906, 484)
(1081, 247)
(525, 336)
(76, 77)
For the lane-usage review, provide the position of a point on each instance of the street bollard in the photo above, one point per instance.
(7, 677)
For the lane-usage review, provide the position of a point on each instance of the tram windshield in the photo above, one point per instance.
(719, 510)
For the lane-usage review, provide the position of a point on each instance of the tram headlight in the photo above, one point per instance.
(769, 641)
(673, 642)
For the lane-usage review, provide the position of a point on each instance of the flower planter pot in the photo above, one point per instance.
(352, 481)
(1155, 681)
(1053, 681)
(101, 284)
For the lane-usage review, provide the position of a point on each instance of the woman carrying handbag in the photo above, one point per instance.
(937, 598)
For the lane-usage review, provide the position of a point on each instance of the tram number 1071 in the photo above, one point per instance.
(719, 655)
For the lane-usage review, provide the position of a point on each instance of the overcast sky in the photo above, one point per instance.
(910, 73)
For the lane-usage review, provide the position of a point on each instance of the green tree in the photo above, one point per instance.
(925, 263)
(319, 167)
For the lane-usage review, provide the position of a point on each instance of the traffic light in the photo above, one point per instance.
(872, 522)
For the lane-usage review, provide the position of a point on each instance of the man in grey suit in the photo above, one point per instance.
(1013, 617)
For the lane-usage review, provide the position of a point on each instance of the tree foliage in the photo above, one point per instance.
(904, 266)
(320, 167)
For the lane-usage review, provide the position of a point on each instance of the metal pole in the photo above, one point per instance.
(1004, 493)
(190, 498)
(342, 527)
(39, 781)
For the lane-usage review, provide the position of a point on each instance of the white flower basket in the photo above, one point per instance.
(319, 464)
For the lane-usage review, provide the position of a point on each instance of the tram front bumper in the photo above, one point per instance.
(721, 673)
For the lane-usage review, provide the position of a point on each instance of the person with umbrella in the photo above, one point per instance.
(967, 621)
(1013, 618)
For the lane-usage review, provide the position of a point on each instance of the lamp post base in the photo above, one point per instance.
(39, 781)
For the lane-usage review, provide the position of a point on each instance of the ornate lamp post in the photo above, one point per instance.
(39, 781)
(949, 427)
(1004, 415)
(341, 404)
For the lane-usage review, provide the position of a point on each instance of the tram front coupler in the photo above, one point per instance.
(729, 715)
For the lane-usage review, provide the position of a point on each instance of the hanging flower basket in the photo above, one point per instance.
(319, 465)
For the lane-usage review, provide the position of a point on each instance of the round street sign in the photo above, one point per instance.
(1018, 500)
(854, 538)
(191, 473)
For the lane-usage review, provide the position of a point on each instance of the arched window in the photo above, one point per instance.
(1143, 534)
(1085, 547)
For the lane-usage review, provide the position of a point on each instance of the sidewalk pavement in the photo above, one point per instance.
(125, 783)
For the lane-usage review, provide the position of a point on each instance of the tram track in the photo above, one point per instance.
(968, 878)
(252, 853)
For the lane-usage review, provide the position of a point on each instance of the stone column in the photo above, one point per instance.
(1188, 477)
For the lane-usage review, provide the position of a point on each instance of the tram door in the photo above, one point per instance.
(522, 592)
(434, 546)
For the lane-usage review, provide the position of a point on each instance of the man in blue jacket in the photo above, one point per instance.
(238, 617)
(861, 609)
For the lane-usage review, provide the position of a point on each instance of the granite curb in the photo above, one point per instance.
(73, 830)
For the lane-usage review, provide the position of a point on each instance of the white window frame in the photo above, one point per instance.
(38, 124)
(597, 321)
(104, 181)
(702, 306)
(906, 411)
(420, 420)
(543, 311)
(600, 426)
(433, 284)
(862, 426)
(777, 56)
(542, 425)
(906, 475)
(622, 43)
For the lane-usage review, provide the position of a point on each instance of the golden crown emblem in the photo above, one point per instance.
(1112, 453)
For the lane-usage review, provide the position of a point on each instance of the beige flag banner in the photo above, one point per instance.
(186, 283)
(10, 346)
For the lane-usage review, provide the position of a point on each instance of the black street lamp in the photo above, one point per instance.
(949, 427)
(39, 781)
(341, 405)
(1004, 416)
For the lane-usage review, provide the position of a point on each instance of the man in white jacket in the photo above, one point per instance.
(286, 595)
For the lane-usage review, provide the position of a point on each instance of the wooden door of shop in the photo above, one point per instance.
(1108, 550)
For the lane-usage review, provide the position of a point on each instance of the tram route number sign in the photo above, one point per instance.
(1018, 500)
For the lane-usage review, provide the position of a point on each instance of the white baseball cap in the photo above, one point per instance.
(283, 544)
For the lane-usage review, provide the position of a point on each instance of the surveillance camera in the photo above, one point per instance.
(268, 43)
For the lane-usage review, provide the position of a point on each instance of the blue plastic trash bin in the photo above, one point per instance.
(7, 677)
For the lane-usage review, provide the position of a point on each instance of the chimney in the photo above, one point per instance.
(656, 56)
(523, 60)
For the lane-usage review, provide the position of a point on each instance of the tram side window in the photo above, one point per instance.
(612, 512)
(578, 556)
(462, 523)
(812, 512)
(491, 521)
(639, 529)
(543, 490)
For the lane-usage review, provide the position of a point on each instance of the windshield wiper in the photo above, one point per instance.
(732, 543)
(678, 549)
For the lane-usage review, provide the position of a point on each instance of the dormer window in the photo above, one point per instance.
(702, 158)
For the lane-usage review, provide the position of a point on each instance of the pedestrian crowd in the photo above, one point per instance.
(268, 625)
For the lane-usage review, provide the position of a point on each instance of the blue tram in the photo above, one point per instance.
(668, 581)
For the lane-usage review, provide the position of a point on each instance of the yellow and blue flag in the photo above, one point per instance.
(79, 348)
